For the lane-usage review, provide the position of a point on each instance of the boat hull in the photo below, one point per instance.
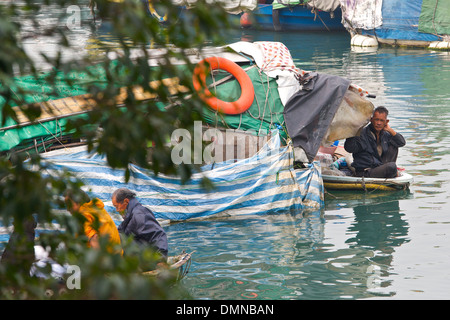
(297, 18)
(363, 183)
(181, 263)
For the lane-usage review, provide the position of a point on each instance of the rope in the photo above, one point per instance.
(184, 269)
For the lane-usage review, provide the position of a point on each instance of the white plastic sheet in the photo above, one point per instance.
(362, 14)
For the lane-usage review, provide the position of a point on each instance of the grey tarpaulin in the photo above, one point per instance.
(309, 112)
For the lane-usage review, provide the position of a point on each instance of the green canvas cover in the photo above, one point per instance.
(12, 138)
(38, 89)
(265, 113)
(435, 17)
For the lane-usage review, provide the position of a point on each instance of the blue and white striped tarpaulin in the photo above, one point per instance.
(263, 183)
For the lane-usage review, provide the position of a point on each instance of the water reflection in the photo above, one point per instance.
(380, 228)
(342, 252)
(249, 257)
(296, 256)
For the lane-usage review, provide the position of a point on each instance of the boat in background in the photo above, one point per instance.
(414, 23)
(278, 15)
(296, 15)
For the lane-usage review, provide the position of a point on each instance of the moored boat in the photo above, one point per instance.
(398, 23)
(338, 174)
(278, 15)
(403, 181)
(299, 16)
(286, 113)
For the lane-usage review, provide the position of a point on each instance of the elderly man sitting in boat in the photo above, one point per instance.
(375, 151)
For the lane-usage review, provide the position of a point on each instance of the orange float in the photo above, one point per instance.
(245, 20)
(247, 91)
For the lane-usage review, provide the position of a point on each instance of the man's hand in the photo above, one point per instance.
(388, 128)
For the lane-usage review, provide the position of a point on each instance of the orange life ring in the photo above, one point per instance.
(199, 81)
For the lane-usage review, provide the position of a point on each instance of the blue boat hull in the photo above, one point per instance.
(297, 18)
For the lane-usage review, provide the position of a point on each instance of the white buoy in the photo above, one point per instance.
(439, 45)
(363, 41)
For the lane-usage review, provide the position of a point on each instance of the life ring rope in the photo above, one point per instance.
(242, 104)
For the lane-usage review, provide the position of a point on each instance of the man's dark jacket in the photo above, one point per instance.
(140, 222)
(364, 147)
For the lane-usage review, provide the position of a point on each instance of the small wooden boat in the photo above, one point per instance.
(364, 183)
(181, 262)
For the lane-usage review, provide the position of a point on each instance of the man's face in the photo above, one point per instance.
(379, 121)
(120, 207)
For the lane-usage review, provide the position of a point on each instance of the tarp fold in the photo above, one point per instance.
(309, 112)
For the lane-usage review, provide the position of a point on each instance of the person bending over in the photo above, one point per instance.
(139, 221)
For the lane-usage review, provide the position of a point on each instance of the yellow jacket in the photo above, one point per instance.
(99, 222)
